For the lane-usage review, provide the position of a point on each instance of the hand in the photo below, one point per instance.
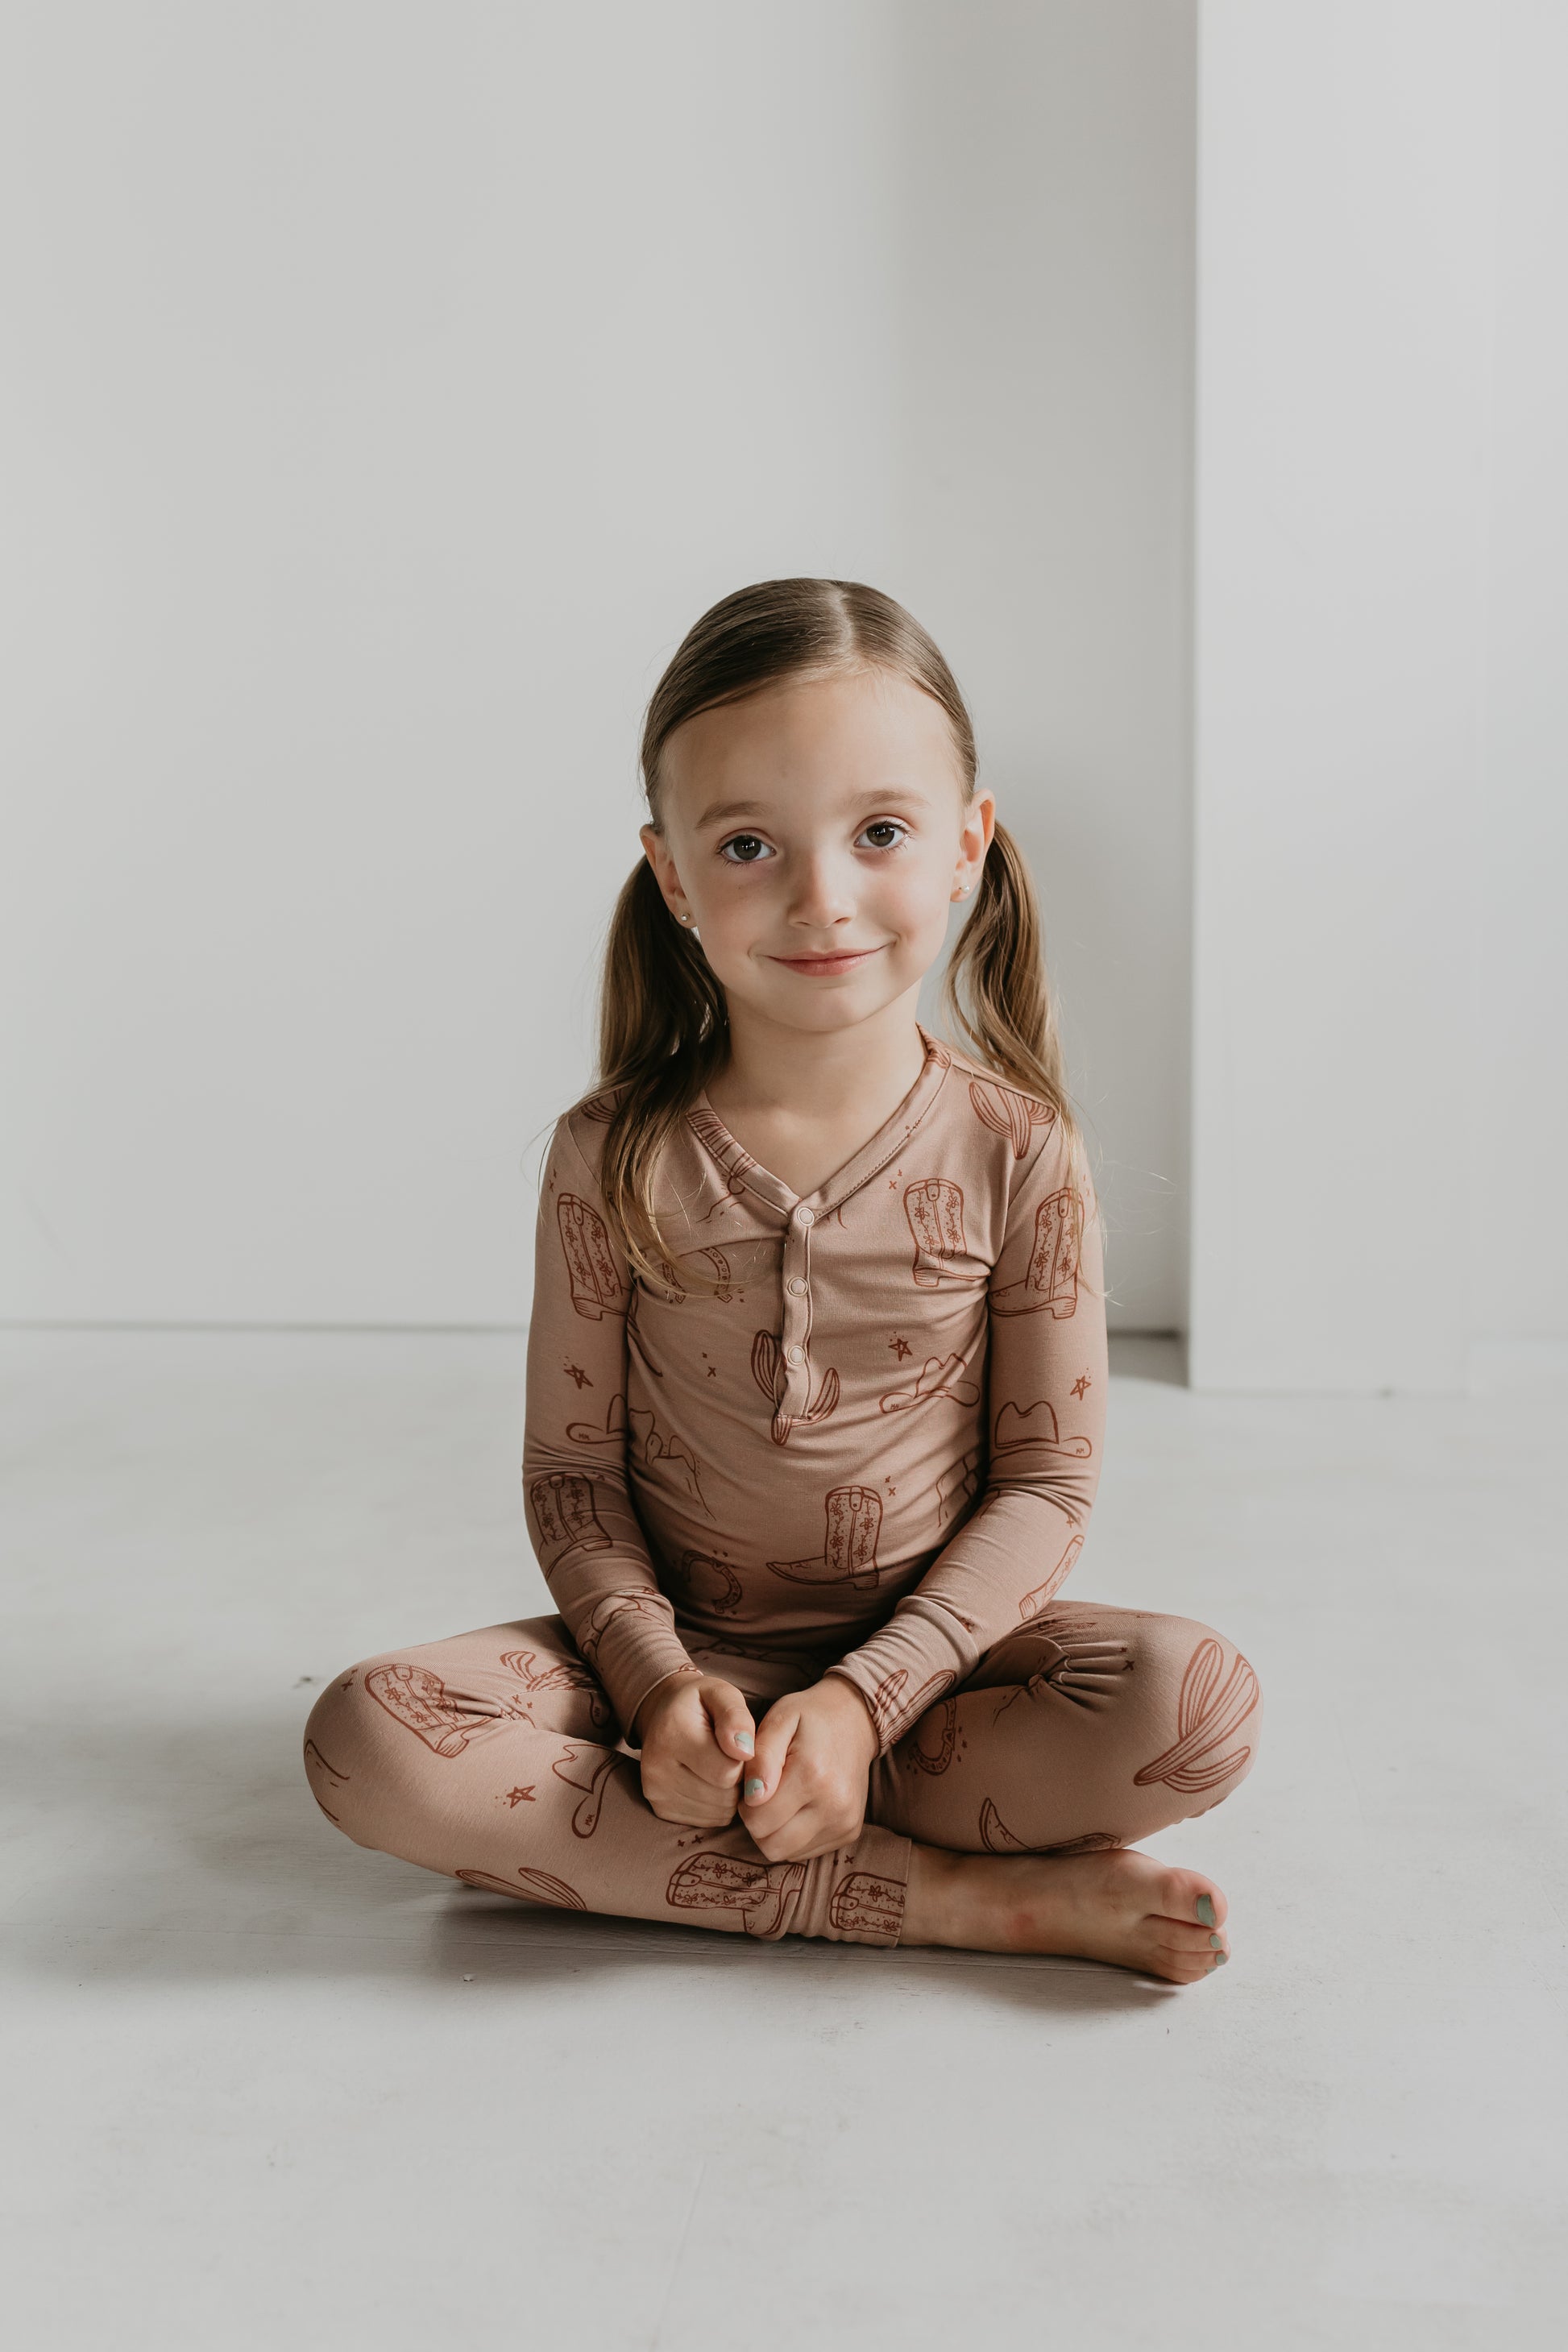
(807, 1791)
(696, 1731)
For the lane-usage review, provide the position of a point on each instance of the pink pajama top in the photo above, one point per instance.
(875, 1447)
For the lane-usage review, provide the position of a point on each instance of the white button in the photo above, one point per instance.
(804, 1217)
(797, 1286)
(791, 1355)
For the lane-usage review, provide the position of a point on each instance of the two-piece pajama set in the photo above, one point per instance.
(857, 1432)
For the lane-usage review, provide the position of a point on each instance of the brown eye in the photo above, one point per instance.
(886, 824)
(747, 841)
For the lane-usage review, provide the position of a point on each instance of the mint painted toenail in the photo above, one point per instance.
(1205, 1910)
(1218, 1942)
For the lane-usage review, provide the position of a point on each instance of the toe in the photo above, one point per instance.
(1188, 1895)
(1198, 1943)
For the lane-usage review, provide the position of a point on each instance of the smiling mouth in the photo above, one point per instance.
(841, 962)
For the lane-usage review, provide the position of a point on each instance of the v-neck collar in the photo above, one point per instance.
(873, 1154)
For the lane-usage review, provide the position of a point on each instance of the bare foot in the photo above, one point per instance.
(1120, 1905)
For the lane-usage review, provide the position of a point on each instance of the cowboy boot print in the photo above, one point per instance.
(564, 1510)
(763, 1892)
(417, 1699)
(848, 1556)
(1050, 1284)
(1007, 1112)
(1208, 1713)
(934, 1208)
(595, 1281)
(865, 1904)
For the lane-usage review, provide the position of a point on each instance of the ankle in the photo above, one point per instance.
(930, 1896)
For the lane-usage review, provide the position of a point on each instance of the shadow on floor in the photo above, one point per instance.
(196, 1855)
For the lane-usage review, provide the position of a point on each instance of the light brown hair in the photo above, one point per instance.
(663, 1016)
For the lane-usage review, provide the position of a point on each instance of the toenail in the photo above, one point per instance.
(1205, 1910)
(1218, 1943)
(1219, 1959)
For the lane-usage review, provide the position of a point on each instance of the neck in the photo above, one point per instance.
(819, 1076)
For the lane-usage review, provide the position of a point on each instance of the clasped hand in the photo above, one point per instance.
(797, 1779)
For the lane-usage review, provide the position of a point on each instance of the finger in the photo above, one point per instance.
(775, 1734)
(733, 1730)
(803, 1837)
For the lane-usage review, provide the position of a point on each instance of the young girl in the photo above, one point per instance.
(816, 1390)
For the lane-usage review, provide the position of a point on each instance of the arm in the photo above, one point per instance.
(1046, 1406)
(582, 1519)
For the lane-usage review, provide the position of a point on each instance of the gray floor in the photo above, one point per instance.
(270, 2090)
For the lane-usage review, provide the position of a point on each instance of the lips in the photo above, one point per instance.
(826, 963)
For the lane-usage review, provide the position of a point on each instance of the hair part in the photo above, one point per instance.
(664, 1025)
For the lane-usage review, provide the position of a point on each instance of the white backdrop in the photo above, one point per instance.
(391, 386)
(1382, 959)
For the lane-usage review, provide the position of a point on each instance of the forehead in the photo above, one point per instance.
(834, 736)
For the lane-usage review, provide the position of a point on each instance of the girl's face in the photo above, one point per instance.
(818, 833)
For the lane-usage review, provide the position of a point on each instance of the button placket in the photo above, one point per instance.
(796, 1315)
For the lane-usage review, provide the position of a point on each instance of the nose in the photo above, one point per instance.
(824, 891)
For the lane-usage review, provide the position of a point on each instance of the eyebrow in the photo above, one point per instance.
(723, 811)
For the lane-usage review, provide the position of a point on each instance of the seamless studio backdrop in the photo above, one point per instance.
(388, 385)
(388, 389)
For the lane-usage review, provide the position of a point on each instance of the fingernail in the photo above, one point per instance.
(744, 1742)
(754, 1788)
(1218, 1943)
(1205, 1910)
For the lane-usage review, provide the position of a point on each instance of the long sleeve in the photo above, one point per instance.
(582, 1519)
(1046, 1378)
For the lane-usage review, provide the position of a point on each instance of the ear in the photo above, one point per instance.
(976, 835)
(656, 851)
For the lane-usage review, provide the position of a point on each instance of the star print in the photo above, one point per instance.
(575, 1372)
(902, 1345)
(1082, 1382)
(515, 1797)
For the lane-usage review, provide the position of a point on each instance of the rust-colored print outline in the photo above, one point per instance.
(538, 1886)
(1208, 1713)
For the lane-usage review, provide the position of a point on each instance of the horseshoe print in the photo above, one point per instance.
(920, 1758)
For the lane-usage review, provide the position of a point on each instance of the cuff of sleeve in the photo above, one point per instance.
(903, 1670)
(629, 1674)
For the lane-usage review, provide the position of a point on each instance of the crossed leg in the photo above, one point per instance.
(493, 1756)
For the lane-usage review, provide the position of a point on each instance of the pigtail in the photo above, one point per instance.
(997, 992)
(664, 1030)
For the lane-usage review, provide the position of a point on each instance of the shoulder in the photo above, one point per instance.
(578, 1137)
(1006, 1126)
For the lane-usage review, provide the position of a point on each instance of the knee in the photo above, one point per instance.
(342, 1743)
(1209, 1704)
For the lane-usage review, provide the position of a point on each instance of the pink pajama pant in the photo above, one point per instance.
(494, 1758)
